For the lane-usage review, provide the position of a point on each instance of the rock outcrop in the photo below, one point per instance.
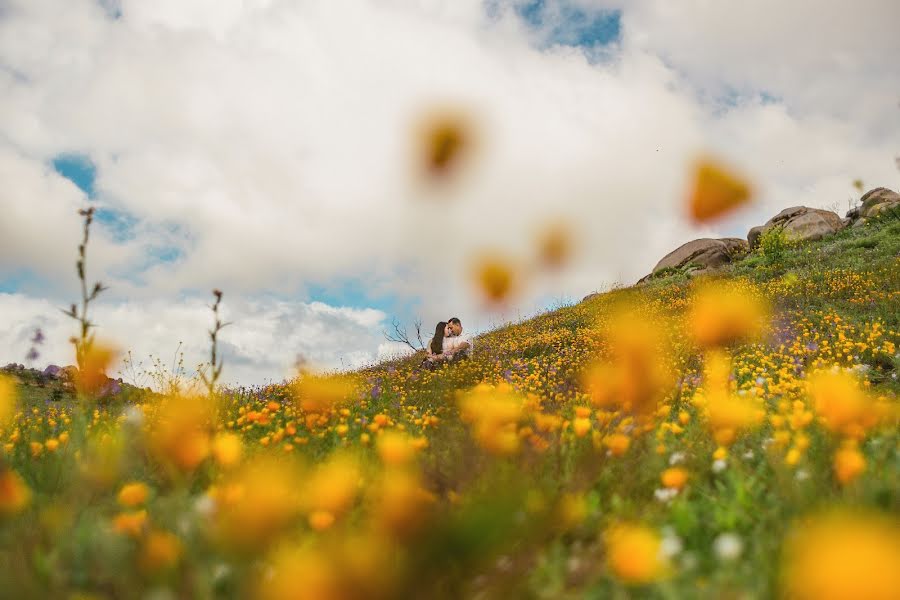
(704, 254)
(876, 202)
(800, 223)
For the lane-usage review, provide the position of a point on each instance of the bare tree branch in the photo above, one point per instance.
(400, 335)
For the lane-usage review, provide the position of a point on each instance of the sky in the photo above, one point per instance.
(265, 148)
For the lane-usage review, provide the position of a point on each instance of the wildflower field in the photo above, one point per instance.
(727, 437)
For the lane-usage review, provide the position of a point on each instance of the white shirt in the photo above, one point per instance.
(454, 342)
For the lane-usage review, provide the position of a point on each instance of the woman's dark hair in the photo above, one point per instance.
(437, 342)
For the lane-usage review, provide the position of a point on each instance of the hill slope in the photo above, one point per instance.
(655, 441)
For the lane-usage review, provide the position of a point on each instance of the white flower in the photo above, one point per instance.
(204, 505)
(688, 561)
(719, 466)
(665, 494)
(801, 475)
(728, 546)
(748, 455)
(134, 416)
(220, 571)
(676, 458)
(760, 380)
(670, 546)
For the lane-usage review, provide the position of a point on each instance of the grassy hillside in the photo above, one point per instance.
(728, 437)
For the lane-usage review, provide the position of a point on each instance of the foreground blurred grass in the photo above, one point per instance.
(519, 472)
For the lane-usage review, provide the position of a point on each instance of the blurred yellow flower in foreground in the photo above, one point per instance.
(257, 503)
(318, 394)
(555, 245)
(716, 191)
(445, 139)
(96, 359)
(844, 407)
(14, 494)
(301, 573)
(843, 556)
(496, 277)
(849, 463)
(401, 503)
(638, 377)
(395, 448)
(727, 413)
(7, 399)
(161, 551)
(634, 553)
(332, 487)
(724, 313)
(133, 494)
(180, 435)
(227, 449)
(494, 413)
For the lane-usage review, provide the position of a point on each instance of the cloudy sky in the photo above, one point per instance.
(264, 147)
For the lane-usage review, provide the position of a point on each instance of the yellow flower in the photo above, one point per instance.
(844, 407)
(554, 245)
(180, 435)
(496, 276)
(316, 394)
(638, 376)
(675, 477)
(617, 443)
(133, 494)
(581, 426)
(332, 487)
(849, 463)
(395, 448)
(843, 556)
(130, 523)
(227, 449)
(14, 494)
(402, 505)
(7, 399)
(716, 191)
(301, 574)
(724, 313)
(633, 554)
(321, 520)
(161, 551)
(256, 503)
(95, 360)
(493, 413)
(445, 139)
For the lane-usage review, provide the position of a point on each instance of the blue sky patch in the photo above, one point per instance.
(120, 224)
(79, 169)
(565, 23)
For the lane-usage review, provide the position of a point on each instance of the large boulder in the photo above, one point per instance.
(705, 253)
(877, 201)
(800, 223)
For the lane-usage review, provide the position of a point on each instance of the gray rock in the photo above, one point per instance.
(705, 253)
(877, 201)
(800, 224)
(54, 371)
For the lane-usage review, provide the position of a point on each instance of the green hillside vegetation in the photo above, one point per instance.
(659, 441)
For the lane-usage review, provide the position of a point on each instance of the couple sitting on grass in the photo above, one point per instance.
(447, 345)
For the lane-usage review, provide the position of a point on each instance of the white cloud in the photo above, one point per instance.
(277, 134)
(265, 339)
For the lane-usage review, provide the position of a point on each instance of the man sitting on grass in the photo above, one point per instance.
(448, 344)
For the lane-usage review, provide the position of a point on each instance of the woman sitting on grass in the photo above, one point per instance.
(447, 344)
